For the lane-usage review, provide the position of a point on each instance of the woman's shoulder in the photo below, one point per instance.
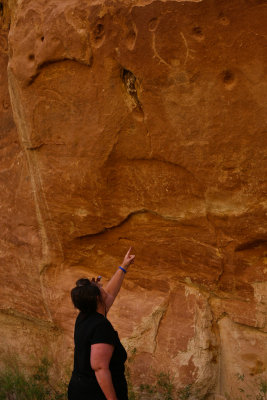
(102, 321)
(84, 319)
(103, 332)
(94, 320)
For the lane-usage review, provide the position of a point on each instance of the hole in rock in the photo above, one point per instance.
(130, 84)
(223, 20)
(31, 57)
(1, 9)
(42, 38)
(228, 77)
(197, 31)
(129, 81)
(153, 24)
(99, 31)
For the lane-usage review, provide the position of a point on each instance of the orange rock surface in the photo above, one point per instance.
(137, 123)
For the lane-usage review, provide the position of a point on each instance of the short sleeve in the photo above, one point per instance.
(103, 333)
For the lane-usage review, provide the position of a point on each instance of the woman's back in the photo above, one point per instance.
(91, 329)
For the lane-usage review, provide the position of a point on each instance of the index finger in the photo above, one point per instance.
(129, 251)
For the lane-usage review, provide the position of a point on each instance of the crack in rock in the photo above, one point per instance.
(106, 229)
(251, 245)
(56, 61)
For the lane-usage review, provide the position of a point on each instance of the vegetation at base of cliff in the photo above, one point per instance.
(259, 389)
(164, 389)
(15, 385)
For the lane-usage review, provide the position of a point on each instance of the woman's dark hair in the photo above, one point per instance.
(85, 296)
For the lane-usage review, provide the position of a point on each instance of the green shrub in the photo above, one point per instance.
(163, 389)
(15, 385)
(184, 393)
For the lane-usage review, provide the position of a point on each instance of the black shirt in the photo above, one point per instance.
(92, 329)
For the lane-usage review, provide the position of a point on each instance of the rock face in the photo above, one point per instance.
(138, 123)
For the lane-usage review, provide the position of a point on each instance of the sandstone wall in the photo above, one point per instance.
(137, 123)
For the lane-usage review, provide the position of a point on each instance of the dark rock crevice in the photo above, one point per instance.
(131, 85)
(251, 245)
(126, 219)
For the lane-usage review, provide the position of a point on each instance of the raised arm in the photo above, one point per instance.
(113, 286)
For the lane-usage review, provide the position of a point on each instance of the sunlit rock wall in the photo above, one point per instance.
(137, 123)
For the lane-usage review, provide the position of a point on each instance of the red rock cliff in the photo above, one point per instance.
(137, 123)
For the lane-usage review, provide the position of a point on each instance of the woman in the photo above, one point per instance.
(99, 356)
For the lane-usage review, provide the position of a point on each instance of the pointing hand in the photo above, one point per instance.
(128, 259)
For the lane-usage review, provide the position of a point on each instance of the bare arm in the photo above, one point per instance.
(100, 358)
(114, 285)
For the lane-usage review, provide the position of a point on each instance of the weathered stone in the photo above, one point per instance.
(138, 123)
(245, 350)
(21, 288)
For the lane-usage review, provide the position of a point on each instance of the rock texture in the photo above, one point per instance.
(138, 123)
